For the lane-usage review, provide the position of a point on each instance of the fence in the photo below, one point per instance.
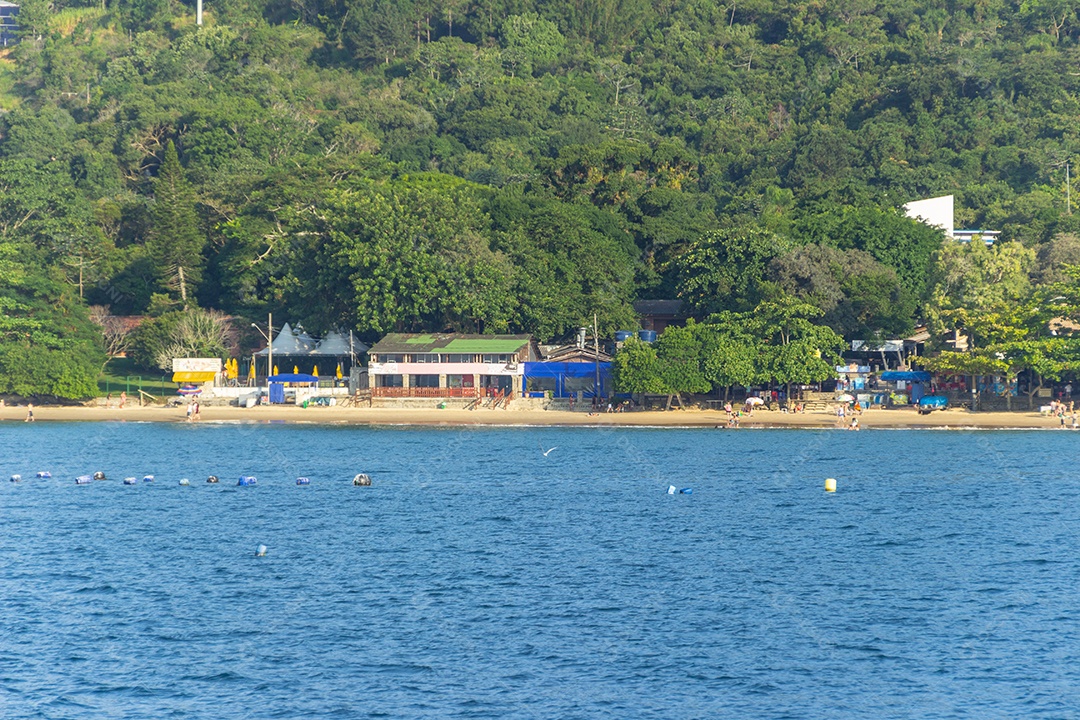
(422, 392)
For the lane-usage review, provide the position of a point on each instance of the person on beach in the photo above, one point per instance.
(123, 399)
(196, 415)
(190, 409)
(108, 400)
(854, 424)
(1075, 422)
(29, 412)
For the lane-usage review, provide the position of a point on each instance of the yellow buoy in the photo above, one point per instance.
(830, 484)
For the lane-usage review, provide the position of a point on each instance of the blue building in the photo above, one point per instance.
(569, 371)
(9, 23)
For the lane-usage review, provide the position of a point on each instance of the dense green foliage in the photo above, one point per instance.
(518, 166)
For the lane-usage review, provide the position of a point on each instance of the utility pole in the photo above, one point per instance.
(269, 350)
(1068, 190)
(596, 350)
(198, 12)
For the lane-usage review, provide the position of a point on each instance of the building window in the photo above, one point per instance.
(424, 381)
(502, 358)
(425, 358)
(388, 381)
(459, 381)
(388, 358)
(537, 384)
(458, 358)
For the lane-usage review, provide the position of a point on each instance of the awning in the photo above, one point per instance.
(193, 377)
(905, 375)
(293, 378)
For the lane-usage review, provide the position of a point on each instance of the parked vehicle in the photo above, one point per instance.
(930, 403)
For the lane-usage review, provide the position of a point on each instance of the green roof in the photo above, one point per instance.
(450, 343)
(482, 346)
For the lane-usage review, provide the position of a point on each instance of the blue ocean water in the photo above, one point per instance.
(478, 578)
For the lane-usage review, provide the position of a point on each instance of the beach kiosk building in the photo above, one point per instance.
(448, 365)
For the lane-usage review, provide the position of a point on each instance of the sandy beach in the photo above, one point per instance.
(899, 418)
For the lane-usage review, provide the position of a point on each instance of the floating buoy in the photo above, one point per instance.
(184, 481)
(99, 475)
(83, 480)
(362, 480)
(246, 480)
(260, 551)
(212, 479)
(830, 484)
(16, 478)
(686, 491)
(129, 481)
(148, 478)
(303, 481)
(671, 490)
(44, 474)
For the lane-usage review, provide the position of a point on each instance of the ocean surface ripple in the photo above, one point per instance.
(478, 578)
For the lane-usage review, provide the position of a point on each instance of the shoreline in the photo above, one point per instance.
(953, 419)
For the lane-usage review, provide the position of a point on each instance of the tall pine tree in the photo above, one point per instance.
(175, 243)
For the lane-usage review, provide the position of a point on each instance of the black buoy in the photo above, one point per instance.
(212, 479)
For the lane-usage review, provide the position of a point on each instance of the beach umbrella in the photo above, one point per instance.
(315, 370)
(844, 398)
(295, 370)
(754, 401)
(338, 373)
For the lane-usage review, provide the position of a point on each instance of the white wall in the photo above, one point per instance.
(937, 212)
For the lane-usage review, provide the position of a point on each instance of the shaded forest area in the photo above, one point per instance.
(518, 165)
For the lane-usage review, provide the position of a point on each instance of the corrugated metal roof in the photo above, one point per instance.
(450, 343)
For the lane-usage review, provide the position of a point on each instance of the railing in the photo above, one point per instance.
(422, 392)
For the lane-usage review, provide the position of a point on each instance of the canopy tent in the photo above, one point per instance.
(336, 343)
(919, 376)
(291, 343)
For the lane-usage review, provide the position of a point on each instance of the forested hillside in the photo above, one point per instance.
(516, 165)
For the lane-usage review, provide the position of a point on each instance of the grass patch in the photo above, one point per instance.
(65, 21)
(121, 374)
(9, 100)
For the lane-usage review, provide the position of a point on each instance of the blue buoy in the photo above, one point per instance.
(83, 480)
(246, 480)
(260, 551)
(44, 474)
(686, 491)
(184, 481)
(148, 478)
(670, 489)
(16, 478)
(303, 481)
(129, 481)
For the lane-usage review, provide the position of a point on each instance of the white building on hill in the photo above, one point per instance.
(938, 212)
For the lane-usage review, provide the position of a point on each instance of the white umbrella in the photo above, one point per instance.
(845, 398)
(754, 401)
